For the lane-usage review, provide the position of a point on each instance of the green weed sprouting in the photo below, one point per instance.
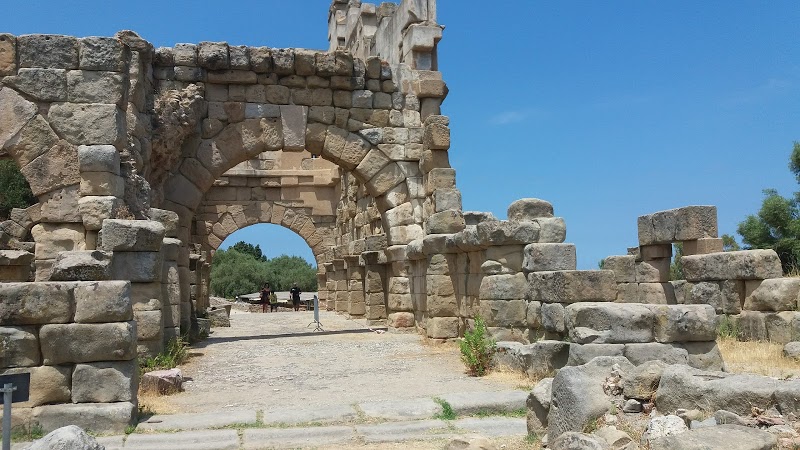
(477, 349)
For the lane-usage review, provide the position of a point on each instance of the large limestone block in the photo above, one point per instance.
(139, 267)
(88, 123)
(442, 327)
(503, 287)
(104, 382)
(47, 85)
(582, 354)
(15, 112)
(15, 258)
(35, 303)
(782, 326)
(751, 326)
(639, 354)
(167, 218)
(549, 257)
(61, 205)
(49, 384)
(720, 437)
(741, 265)
(8, 54)
(656, 294)
(502, 232)
(48, 51)
(33, 140)
(571, 286)
(704, 355)
(100, 302)
(553, 317)
(89, 86)
(132, 235)
(149, 325)
(684, 323)
(504, 313)
(56, 168)
(294, 120)
(213, 55)
(95, 209)
(682, 224)
(653, 271)
(19, 347)
(86, 265)
(552, 230)
(703, 246)
(103, 53)
(776, 294)
(578, 397)
(527, 209)
(112, 418)
(624, 267)
(77, 343)
(98, 158)
(685, 387)
(538, 404)
(609, 323)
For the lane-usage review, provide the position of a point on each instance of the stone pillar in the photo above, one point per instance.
(341, 295)
(355, 286)
(374, 292)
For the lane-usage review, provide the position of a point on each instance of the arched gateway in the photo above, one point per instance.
(143, 160)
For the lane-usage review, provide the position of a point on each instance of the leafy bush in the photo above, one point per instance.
(15, 192)
(447, 410)
(173, 355)
(477, 348)
(727, 328)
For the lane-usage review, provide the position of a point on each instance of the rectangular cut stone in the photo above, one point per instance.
(777, 294)
(111, 418)
(294, 120)
(609, 323)
(35, 303)
(48, 51)
(132, 235)
(653, 271)
(702, 246)
(624, 267)
(259, 110)
(503, 287)
(104, 382)
(571, 286)
(20, 347)
(627, 293)
(139, 267)
(77, 343)
(682, 224)
(648, 252)
(656, 294)
(504, 313)
(740, 265)
(442, 327)
(684, 323)
(103, 301)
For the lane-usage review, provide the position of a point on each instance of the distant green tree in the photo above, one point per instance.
(729, 243)
(285, 270)
(676, 268)
(777, 224)
(245, 247)
(234, 273)
(15, 192)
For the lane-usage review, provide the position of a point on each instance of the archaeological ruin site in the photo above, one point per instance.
(145, 159)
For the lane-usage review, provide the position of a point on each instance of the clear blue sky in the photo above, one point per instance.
(608, 110)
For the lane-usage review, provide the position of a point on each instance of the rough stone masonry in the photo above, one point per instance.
(144, 160)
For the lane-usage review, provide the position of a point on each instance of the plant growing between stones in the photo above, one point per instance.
(447, 410)
(24, 434)
(477, 348)
(173, 355)
(727, 328)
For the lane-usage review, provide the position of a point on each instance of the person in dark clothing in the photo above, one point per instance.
(265, 294)
(294, 292)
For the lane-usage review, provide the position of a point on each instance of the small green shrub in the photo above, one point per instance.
(447, 410)
(727, 328)
(24, 434)
(477, 349)
(173, 355)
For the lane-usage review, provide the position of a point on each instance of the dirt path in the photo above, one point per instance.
(274, 361)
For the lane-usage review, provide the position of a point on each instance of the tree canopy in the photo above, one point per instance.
(243, 269)
(777, 224)
(15, 192)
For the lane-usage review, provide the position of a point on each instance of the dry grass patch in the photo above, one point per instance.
(512, 377)
(153, 403)
(762, 358)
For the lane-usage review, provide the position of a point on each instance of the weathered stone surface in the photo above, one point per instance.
(104, 382)
(639, 354)
(35, 303)
(741, 265)
(88, 86)
(98, 158)
(213, 55)
(97, 417)
(776, 294)
(56, 168)
(33, 140)
(138, 267)
(167, 218)
(624, 267)
(542, 358)
(8, 54)
(578, 396)
(100, 302)
(682, 224)
(573, 440)
(49, 384)
(792, 350)
(15, 258)
(722, 437)
(684, 323)
(503, 287)
(54, 238)
(163, 382)
(616, 439)
(553, 317)
(15, 112)
(88, 124)
(442, 327)
(149, 325)
(549, 257)
(132, 235)
(704, 355)
(570, 286)
(502, 313)
(77, 343)
(61, 206)
(103, 53)
(502, 232)
(609, 323)
(642, 382)
(538, 404)
(662, 426)
(48, 51)
(95, 209)
(20, 347)
(86, 265)
(66, 438)
(685, 387)
(582, 354)
(527, 209)
(47, 85)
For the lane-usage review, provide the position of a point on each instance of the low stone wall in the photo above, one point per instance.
(78, 341)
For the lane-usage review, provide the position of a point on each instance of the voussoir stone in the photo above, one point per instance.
(15, 112)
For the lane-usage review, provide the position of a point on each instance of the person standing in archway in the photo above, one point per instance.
(266, 291)
(294, 292)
